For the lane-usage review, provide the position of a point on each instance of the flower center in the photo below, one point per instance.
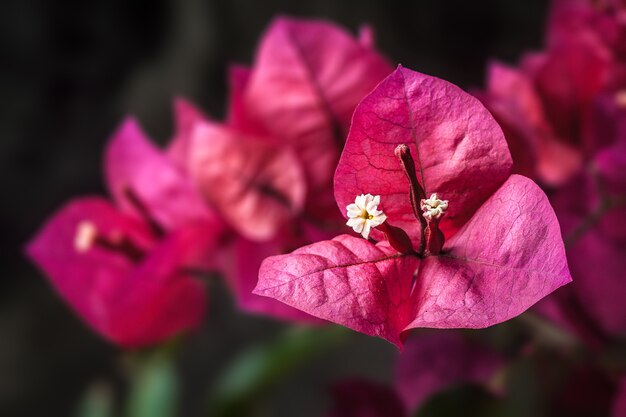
(433, 208)
(88, 237)
(363, 214)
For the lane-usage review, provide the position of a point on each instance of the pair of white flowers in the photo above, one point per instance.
(363, 214)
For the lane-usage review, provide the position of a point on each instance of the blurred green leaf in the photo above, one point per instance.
(246, 381)
(155, 386)
(97, 402)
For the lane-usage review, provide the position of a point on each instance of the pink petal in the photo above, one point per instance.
(568, 80)
(306, 81)
(238, 117)
(161, 298)
(346, 280)
(456, 144)
(164, 193)
(186, 117)
(256, 187)
(598, 265)
(98, 283)
(432, 362)
(505, 259)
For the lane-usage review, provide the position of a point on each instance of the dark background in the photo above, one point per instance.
(71, 71)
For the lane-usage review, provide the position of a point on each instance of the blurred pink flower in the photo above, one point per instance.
(127, 267)
(556, 108)
(592, 211)
(268, 170)
(484, 255)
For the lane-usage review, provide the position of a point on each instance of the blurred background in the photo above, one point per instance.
(72, 70)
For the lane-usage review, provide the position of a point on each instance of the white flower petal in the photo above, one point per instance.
(360, 201)
(366, 230)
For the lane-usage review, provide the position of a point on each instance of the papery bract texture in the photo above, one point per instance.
(346, 280)
(132, 297)
(456, 144)
(503, 249)
(505, 259)
(435, 361)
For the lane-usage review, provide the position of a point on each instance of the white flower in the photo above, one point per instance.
(363, 214)
(433, 207)
(86, 235)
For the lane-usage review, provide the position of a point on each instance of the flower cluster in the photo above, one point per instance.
(256, 185)
(438, 185)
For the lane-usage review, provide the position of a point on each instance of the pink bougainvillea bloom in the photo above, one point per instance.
(553, 108)
(307, 78)
(436, 361)
(268, 169)
(126, 269)
(361, 398)
(491, 253)
(594, 227)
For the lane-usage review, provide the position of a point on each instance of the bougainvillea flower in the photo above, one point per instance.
(535, 148)
(127, 267)
(435, 361)
(268, 169)
(291, 109)
(494, 252)
(137, 172)
(361, 398)
(553, 109)
(126, 283)
(257, 187)
(595, 233)
(307, 78)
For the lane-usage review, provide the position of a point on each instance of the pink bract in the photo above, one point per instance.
(592, 209)
(133, 296)
(268, 170)
(136, 171)
(503, 250)
(307, 78)
(557, 108)
(127, 267)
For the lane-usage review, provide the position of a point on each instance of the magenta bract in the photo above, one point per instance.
(307, 79)
(592, 211)
(556, 109)
(129, 286)
(268, 170)
(503, 250)
(127, 269)
(140, 177)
